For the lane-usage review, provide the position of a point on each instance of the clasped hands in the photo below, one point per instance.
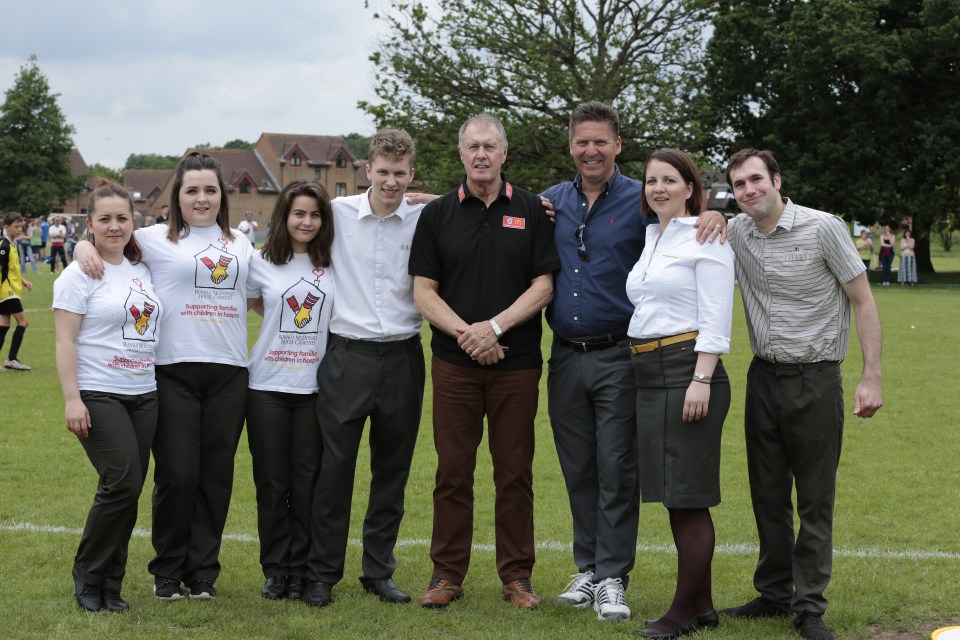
(479, 341)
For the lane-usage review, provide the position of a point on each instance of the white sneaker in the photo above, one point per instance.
(16, 365)
(609, 601)
(579, 593)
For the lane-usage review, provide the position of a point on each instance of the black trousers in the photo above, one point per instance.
(285, 444)
(359, 379)
(118, 446)
(794, 430)
(202, 408)
(54, 252)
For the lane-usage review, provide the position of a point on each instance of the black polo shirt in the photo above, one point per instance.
(484, 259)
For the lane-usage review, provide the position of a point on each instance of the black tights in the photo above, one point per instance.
(694, 537)
(15, 342)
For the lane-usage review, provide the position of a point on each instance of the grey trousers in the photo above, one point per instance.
(592, 404)
(360, 379)
(794, 431)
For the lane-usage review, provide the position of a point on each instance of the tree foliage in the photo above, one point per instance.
(530, 62)
(99, 171)
(855, 99)
(359, 144)
(35, 143)
(237, 143)
(151, 161)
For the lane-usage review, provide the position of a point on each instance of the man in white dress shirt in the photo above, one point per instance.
(374, 369)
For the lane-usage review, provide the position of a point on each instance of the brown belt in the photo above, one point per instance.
(653, 345)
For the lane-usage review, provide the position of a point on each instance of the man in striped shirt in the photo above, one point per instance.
(799, 275)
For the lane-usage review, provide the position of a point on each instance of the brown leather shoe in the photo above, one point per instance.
(440, 593)
(520, 593)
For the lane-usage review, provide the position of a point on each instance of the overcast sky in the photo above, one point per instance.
(158, 76)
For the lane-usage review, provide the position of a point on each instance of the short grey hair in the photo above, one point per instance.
(484, 119)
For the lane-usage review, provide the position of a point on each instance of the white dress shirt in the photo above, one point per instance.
(680, 285)
(370, 256)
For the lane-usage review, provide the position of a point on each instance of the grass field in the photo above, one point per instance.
(897, 537)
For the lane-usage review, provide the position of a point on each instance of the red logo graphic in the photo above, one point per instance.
(218, 271)
(142, 318)
(514, 223)
(302, 311)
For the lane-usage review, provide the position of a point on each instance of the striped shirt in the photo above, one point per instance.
(791, 283)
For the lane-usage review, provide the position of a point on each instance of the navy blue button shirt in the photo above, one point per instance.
(589, 296)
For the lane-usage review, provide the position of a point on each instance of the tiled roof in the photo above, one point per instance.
(239, 162)
(319, 150)
(362, 181)
(144, 181)
(77, 165)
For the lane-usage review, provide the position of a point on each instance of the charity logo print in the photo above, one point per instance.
(141, 317)
(301, 309)
(217, 268)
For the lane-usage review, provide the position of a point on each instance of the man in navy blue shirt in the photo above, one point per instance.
(591, 390)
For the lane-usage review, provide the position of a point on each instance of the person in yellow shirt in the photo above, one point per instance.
(12, 283)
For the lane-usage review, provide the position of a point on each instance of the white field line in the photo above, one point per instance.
(546, 545)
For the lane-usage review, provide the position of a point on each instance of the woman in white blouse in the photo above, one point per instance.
(683, 293)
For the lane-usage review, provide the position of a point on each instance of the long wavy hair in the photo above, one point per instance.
(278, 249)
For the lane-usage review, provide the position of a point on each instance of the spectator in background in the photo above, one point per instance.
(38, 238)
(149, 221)
(71, 238)
(865, 248)
(164, 214)
(44, 237)
(248, 227)
(58, 238)
(887, 239)
(23, 245)
(11, 286)
(907, 273)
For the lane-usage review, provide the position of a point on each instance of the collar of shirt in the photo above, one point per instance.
(364, 209)
(616, 177)
(506, 190)
(785, 223)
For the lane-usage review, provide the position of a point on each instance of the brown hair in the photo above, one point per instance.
(743, 155)
(685, 165)
(106, 189)
(392, 144)
(196, 161)
(278, 248)
(595, 112)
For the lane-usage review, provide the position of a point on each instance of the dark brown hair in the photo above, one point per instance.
(196, 161)
(106, 189)
(743, 155)
(278, 248)
(685, 165)
(595, 112)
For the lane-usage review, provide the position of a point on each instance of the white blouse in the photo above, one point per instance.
(680, 285)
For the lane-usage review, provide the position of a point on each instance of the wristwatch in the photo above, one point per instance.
(497, 331)
(700, 376)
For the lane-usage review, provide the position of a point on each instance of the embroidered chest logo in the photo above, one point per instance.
(795, 256)
(514, 223)
(216, 268)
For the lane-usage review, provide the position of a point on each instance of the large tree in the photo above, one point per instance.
(35, 143)
(151, 161)
(530, 62)
(855, 99)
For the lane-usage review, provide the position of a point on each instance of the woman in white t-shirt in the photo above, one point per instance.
(199, 267)
(683, 294)
(291, 286)
(106, 339)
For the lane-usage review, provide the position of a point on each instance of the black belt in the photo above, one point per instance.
(374, 345)
(593, 343)
(795, 366)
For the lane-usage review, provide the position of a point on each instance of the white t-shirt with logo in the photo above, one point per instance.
(297, 298)
(202, 283)
(119, 330)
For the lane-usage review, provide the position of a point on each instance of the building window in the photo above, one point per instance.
(295, 159)
(245, 186)
(316, 173)
(341, 189)
(341, 161)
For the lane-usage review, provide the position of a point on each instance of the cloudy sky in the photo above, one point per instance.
(158, 76)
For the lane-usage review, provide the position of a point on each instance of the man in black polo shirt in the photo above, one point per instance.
(483, 258)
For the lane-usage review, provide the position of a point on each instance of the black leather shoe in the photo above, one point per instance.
(274, 587)
(707, 620)
(675, 629)
(295, 585)
(113, 602)
(318, 594)
(89, 596)
(756, 608)
(385, 589)
(810, 626)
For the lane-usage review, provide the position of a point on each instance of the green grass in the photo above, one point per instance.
(898, 494)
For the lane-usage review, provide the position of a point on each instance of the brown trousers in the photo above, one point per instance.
(462, 396)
